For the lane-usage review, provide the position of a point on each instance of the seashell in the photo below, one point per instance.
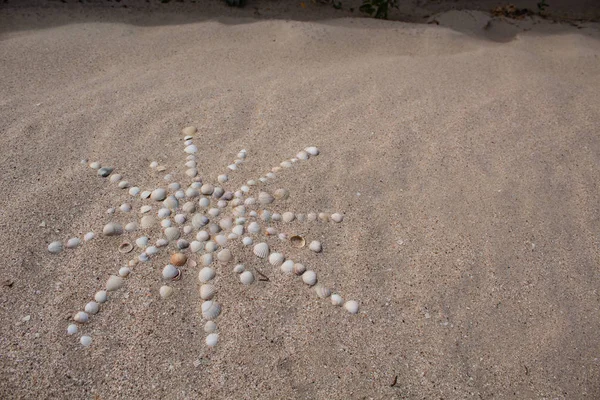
(276, 169)
(210, 327)
(207, 291)
(214, 229)
(240, 221)
(238, 269)
(199, 220)
(206, 274)
(141, 242)
(253, 214)
(166, 223)
(351, 306)
(133, 262)
(189, 207)
(131, 227)
(250, 201)
(134, 191)
(171, 202)
(212, 339)
(158, 194)
(114, 283)
(313, 151)
(55, 247)
(89, 236)
(211, 309)
(125, 247)
(197, 184)
(281, 194)
(161, 168)
(204, 202)
(303, 155)
(261, 250)
(165, 291)
(224, 256)
(282, 236)
(247, 241)
(271, 231)
(242, 154)
(207, 189)
(187, 229)
(301, 217)
(183, 244)
(287, 267)
(337, 217)
(85, 341)
(191, 149)
(112, 229)
(196, 246)
(265, 198)
(276, 259)
(72, 243)
(115, 178)
(202, 236)
(297, 241)
(191, 172)
(147, 221)
(210, 246)
(172, 234)
(180, 194)
(309, 277)
(246, 277)
(180, 219)
(253, 227)
(262, 179)
(299, 269)
(276, 217)
(236, 202)
(239, 211)
(286, 164)
(324, 217)
(101, 296)
(322, 291)
(218, 192)
(145, 194)
(238, 230)
(315, 246)
(125, 207)
(178, 259)
(95, 165)
(221, 240)
(189, 130)
(153, 165)
(192, 192)
(207, 259)
(143, 257)
(311, 217)
(227, 196)
(222, 178)
(92, 307)
(170, 272)
(81, 317)
(232, 167)
(214, 212)
(288, 216)
(123, 185)
(72, 329)
(336, 300)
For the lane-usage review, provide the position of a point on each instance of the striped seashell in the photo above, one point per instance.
(309, 277)
(276, 259)
(207, 291)
(281, 194)
(299, 269)
(322, 291)
(246, 277)
(265, 198)
(253, 227)
(210, 309)
(206, 274)
(287, 267)
(261, 250)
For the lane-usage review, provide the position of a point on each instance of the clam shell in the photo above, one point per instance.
(72, 329)
(189, 207)
(125, 207)
(202, 236)
(224, 255)
(189, 130)
(166, 223)
(123, 185)
(265, 198)
(145, 194)
(226, 223)
(143, 257)
(191, 172)
(261, 250)
(288, 216)
(322, 291)
(165, 291)
(112, 229)
(253, 227)
(180, 219)
(85, 341)
(297, 241)
(171, 202)
(207, 291)
(238, 269)
(55, 247)
(221, 240)
(281, 194)
(131, 227)
(210, 246)
(199, 220)
(81, 317)
(276, 259)
(309, 277)
(214, 212)
(287, 267)
(313, 151)
(204, 202)
(147, 221)
(206, 274)
(178, 259)
(151, 250)
(315, 246)
(212, 339)
(196, 246)
(207, 259)
(115, 178)
(311, 217)
(89, 236)
(337, 217)
(172, 234)
(265, 215)
(191, 149)
(72, 243)
(336, 300)
(210, 309)
(125, 247)
(276, 217)
(158, 194)
(210, 327)
(92, 308)
(303, 155)
(207, 189)
(218, 192)
(247, 241)
(192, 192)
(101, 296)
(246, 277)
(222, 178)
(238, 230)
(95, 165)
(183, 244)
(299, 269)
(170, 272)
(124, 272)
(351, 306)
(114, 283)
(134, 191)
(324, 217)
(270, 231)
(286, 164)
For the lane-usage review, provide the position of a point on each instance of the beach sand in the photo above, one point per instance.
(465, 157)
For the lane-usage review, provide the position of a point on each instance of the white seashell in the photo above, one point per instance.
(81, 317)
(270, 175)
(166, 223)
(133, 262)
(202, 236)
(212, 339)
(192, 192)
(112, 229)
(180, 218)
(124, 272)
(261, 250)
(196, 246)
(276, 259)
(286, 164)
(246, 277)
(174, 186)
(170, 272)
(224, 255)
(207, 291)
(247, 241)
(101, 296)
(337, 217)
(165, 291)
(299, 269)
(262, 179)
(143, 257)
(210, 309)
(214, 212)
(222, 178)
(226, 223)
(324, 217)
(287, 267)
(322, 291)
(238, 269)
(265, 198)
(221, 204)
(147, 221)
(191, 172)
(114, 178)
(189, 207)
(238, 230)
(232, 167)
(206, 274)
(210, 246)
(288, 216)
(72, 243)
(95, 165)
(351, 306)
(92, 307)
(125, 207)
(141, 242)
(204, 202)
(89, 236)
(85, 341)
(123, 185)
(239, 211)
(218, 192)
(282, 236)
(207, 259)
(183, 244)
(172, 234)
(276, 217)
(55, 247)
(145, 194)
(158, 194)
(153, 164)
(336, 300)
(315, 246)
(196, 184)
(253, 227)
(114, 283)
(189, 130)
(313, 151)
(309, 277)
(199, 220)
(191, 149)
(281, 194)
(221, 240)
(72, 329)
(131, 227)
(311, 217)
(303, 155)
(207, 189)
(210, 327)
(250, 201)
(171, 202)
(271, 231)
(253, 214)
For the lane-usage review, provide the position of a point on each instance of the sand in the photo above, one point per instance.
(466, 164)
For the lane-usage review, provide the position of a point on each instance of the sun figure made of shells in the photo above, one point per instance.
(215, 217)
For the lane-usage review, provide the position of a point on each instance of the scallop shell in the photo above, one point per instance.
(101, 296)
(207, 291)
(125, 247)
(170, 272)
(297, 241)
(287, 267)
(276, 259)
(165, 291)
(246, 277)
(112, 229)
(81, 317)
(114, 283)
(85, 341)
(210, 327)
(158, 194)
(265, 198)
(224, 255)
(315, 246)
(206, 274)
(212, 339)
(288, 216)
(261, 250)
(281, 194)
(92, 307)
(210, 309)
(299, 269)
(337, 217)
(351, 306)
(309, 277)
(322, 291)
(336, 300)
(55, 247)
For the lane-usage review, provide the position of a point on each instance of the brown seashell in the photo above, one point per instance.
(178, 259)
(297, 241)
(125, 247)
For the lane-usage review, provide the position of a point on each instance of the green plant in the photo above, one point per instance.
(542, 5)
(378, 8)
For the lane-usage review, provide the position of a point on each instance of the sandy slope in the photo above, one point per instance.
(473, 246)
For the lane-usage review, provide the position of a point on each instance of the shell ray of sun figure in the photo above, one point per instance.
(211, 216)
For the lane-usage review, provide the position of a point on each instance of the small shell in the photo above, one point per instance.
(73, 243)
(166, 223)
(196, 246)
(337, 217)
(212, 339)
(221, 240)
(246, 277)
(315, 246)
(253, 227)
(222, 178)
(123, 185)
(131, 227)
(191, 172)
(324, 217)
(124, 272)
(85, 341)
(207, 259)
(299, 269)
(89, 236)
(238, 269)
(158, 194)
(247, 241)
(336, 300)
(313, 151)
(191, 149)
(182, 244)
(265, 198)
(311, 217)
(287, 267)
(134, 191)
(165, 291)
(147, 221)
(206, 274)
(281, 194)
(238, 230)
(95, 165)
(151, 250)
(192, 192)
(189, 207)
(199, 220)
(112, 229)
(224, 255)
(286, 164)
(276, 259)
(114, 283)
(207, 291)
(125, 207)
(172, 234)
(351, 306)
(101, 296)
(178, 259)
(55, 247)
(261, 250)
(322, 291)
(125, 247)
(189, 130)
(81, 317)
(72, 329)
(270, 231)
(210, 327)
(114, 178)
(303, 155)
(309, 277)
(170, 272)
(92, 307)
(180, 219)
(288, 216)
(210, 246)
(202, 236)
(207, 189)
(210, 309)
(145, 194)
(171, 202)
